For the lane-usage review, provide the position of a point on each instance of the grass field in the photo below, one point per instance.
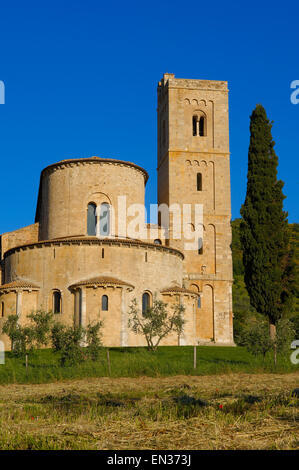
(44, 365)
(151, 401)
(232, 411)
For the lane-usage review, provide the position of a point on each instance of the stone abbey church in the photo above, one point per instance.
(73, 262)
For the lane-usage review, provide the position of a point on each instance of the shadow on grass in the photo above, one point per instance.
(219, 360)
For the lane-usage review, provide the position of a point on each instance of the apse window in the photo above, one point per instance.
(200, 246)
(145, 302)
(105, 303)
(91, 219)
(105, 219)
(57, 302)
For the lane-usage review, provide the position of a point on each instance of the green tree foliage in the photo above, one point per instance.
(41, 327)
(75, 343)
(94, 340)
(157, 322)
(72, 339)
(10, 328)
(67, 340)
(285, 334)
(294, 242)
(57, 336)
(237, 251)
(244, 312)
(21, 338)
(256, 337)
(267, 259)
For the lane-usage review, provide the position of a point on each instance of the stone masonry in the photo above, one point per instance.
(57, 264)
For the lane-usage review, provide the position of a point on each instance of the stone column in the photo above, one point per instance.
(83, 306)
(19, 303)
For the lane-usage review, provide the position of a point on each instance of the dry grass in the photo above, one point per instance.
(235, 411)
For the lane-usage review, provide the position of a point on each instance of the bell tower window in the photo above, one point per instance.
(199, 125)
(199, 181)
(194, 123)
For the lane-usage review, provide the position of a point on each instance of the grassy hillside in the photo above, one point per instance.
(44, 365)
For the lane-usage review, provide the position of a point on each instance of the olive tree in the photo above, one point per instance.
(157, 322)
(21, 338)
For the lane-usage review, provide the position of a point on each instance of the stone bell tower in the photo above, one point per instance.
(193, 168)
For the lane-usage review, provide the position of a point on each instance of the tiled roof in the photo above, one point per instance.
(18, 284)
(99, 160)
(101, 280)
(176, 289)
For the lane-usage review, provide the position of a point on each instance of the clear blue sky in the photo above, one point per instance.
(81, 80)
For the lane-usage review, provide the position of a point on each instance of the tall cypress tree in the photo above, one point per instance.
(264, 226)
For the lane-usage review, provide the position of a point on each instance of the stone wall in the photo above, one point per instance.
(69, 186)
(19, 237)
(58, 265)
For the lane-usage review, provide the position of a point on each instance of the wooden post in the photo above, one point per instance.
(194, 357)
(26, 361)
(108, 361)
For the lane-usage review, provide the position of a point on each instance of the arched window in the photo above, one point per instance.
(2, 309)
(105, 219)
(145, 302)
(199, 181)
(157, 241)
(91, 219)
(105, 303)
(57, 302)
(201, 126)
(194, 124)
(200, 246)
(195, 288)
